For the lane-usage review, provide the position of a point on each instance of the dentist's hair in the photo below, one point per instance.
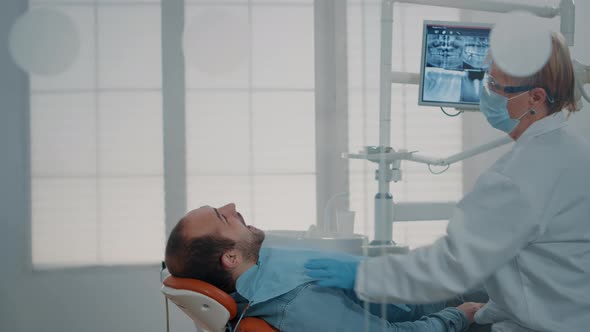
(556, 77)
(199, 258)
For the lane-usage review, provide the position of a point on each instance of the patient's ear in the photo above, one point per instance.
(231, 259)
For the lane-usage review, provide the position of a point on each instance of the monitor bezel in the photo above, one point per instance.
(470, 25)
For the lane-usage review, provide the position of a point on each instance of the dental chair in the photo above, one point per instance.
(209, 307)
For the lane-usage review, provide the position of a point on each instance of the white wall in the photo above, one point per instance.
(476, 129)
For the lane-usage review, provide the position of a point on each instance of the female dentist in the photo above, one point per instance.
(524, 230)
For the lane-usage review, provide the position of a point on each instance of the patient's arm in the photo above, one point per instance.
(328, 309)
(419, 310)
(412, 312)
(396, 313)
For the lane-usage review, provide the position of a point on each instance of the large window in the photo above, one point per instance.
(96, 141)
(250, 109)
(97, 130)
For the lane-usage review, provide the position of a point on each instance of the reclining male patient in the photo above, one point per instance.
(216, 246)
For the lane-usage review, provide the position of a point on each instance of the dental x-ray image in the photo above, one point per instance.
(453, 63)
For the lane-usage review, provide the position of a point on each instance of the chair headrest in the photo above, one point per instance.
(204, 288)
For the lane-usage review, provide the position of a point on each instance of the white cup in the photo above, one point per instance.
(345, 222)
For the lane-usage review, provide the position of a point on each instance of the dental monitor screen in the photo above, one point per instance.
(453, 63)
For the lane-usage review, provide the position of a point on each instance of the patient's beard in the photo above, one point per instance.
(251, 247)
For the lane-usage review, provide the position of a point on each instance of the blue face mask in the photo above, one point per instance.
(495, 109)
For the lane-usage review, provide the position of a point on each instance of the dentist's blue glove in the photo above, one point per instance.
(332, 272)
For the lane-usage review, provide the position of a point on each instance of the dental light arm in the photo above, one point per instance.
(462, 155)
(567, 11)
(391, 157)
(493, 6)
(582, 74)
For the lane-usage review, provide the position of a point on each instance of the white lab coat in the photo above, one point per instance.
(524, 231)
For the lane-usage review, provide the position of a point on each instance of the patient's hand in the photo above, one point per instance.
(470, 308)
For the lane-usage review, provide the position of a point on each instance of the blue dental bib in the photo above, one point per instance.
(279, 271)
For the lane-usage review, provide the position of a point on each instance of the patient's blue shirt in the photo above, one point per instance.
(279, 271)
(277, 290)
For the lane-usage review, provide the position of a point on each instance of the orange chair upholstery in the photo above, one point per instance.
(208, 306)
(253, 324)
